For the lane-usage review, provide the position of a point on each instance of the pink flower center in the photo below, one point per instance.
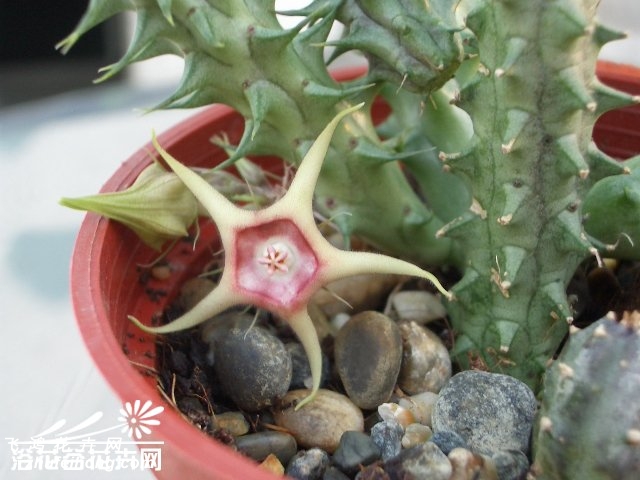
(275, 258)
(274, 265)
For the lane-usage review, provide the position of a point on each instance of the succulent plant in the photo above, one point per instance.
(589, 417)
(533, 99)
(482, 166)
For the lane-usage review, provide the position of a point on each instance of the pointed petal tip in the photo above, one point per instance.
(140, 325)
(302, 325)
(306, 400)
(172, 327)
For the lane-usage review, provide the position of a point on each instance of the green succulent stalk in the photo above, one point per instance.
(588, 422)
(533, 98)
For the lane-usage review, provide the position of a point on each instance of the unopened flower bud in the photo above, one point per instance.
(158, 206)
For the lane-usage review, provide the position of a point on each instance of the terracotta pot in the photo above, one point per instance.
(106, 285)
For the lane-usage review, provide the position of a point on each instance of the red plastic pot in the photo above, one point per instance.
(617, 132)
(106, 285)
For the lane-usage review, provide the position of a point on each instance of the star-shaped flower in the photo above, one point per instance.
(276, 258)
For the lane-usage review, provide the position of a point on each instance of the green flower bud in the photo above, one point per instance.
(158, 206)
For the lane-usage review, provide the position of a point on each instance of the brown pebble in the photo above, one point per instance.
(161, 272)
(471, 466)
(420, 405)
(417, 306)
(273, 465)
(374, 471)
(415, 434)
(262, 444)
(426, 365)
(233, 422)
(392, 412)
(321, 422)
(368, 353)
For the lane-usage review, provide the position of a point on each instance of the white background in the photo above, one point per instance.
(68, 146)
